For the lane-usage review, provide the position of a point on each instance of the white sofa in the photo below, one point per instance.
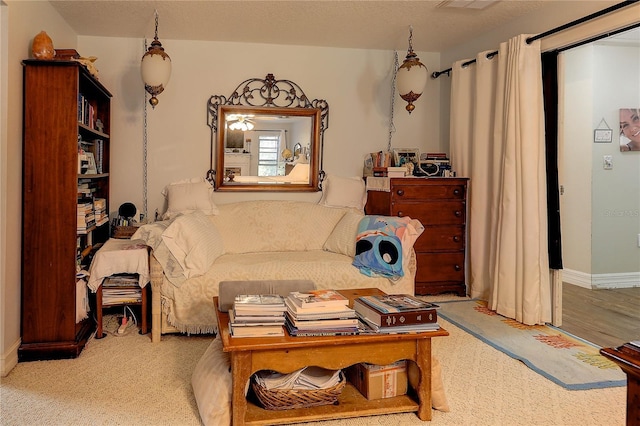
(255, 240)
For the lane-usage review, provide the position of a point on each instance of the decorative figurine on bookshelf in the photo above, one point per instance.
(99, 125)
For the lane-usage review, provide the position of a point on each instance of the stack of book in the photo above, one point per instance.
(397, 313)
(257, 315)
(320, 313)
(121, 289)
(85, 217)
(100, 211)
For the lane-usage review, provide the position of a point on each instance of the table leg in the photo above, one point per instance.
(240, 374)
(143, 321)
(99, 334)
(424, 386)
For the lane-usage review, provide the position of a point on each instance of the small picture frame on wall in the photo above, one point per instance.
(602, 136)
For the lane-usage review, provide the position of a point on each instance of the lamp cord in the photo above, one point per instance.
(392, 127)
(144, 148)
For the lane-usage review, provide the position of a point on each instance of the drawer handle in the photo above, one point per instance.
(456, 238)
(456, 192)
(400, 214)
(457, 267)
(457, 213)
(400, 192)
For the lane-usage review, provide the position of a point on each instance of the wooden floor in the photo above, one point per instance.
(607, 318)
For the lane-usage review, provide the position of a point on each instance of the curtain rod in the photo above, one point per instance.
(530, 40)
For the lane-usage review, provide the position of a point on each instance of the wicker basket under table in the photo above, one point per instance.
(289, 399)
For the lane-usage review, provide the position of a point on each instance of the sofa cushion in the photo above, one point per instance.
(271, 226)
(194, 241)
(343, 238)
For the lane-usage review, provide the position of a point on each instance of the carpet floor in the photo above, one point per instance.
(130, 381)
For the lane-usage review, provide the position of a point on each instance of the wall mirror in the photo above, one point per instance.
(266, 136)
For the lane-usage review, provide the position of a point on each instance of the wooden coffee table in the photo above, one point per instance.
(287, 354)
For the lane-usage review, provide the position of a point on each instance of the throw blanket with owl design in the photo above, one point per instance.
(383, 243)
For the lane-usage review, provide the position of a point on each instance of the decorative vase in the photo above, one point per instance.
(42, 47)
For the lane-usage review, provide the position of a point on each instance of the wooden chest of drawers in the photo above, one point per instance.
(440, 205)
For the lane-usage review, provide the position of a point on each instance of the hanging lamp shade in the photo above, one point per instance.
(411, 77)
(155, 68)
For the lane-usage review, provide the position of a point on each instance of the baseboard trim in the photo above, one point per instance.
(601, 281)
(581, 279)
(9, 359)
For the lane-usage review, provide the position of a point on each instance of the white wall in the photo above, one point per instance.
(616, 192)
(356, 83)
(575, 209)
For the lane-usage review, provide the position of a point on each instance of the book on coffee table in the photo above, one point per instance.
(395, 310)
(318, 299)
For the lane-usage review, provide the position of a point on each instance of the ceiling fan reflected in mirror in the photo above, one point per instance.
(240, 122)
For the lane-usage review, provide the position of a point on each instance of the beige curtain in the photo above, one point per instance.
(497, 140)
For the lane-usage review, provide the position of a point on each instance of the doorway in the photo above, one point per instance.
(600, 190)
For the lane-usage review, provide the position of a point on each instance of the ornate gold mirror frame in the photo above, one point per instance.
(281, 143)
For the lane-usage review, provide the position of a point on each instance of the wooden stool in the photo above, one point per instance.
(115, 257)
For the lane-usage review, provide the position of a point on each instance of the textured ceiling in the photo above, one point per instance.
(355, 24)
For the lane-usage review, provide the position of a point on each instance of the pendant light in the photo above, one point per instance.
(411, 77)
(155, 68)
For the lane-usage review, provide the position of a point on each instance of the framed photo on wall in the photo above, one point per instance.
(629, 129)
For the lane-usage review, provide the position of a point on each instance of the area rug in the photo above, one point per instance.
(567, 360)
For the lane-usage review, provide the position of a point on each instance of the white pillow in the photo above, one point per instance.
(194, 241)
(340, 191)
(189, 196)
(343, 237)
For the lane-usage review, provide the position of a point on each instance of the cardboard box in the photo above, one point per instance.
(379, 381)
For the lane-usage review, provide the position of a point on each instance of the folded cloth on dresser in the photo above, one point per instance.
(375, 183)
(118, 256)
(382, 243)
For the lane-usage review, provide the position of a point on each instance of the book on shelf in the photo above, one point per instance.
(318, 299)
(121, 280)
(397, 303)
(121, 295)
(393, 319)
